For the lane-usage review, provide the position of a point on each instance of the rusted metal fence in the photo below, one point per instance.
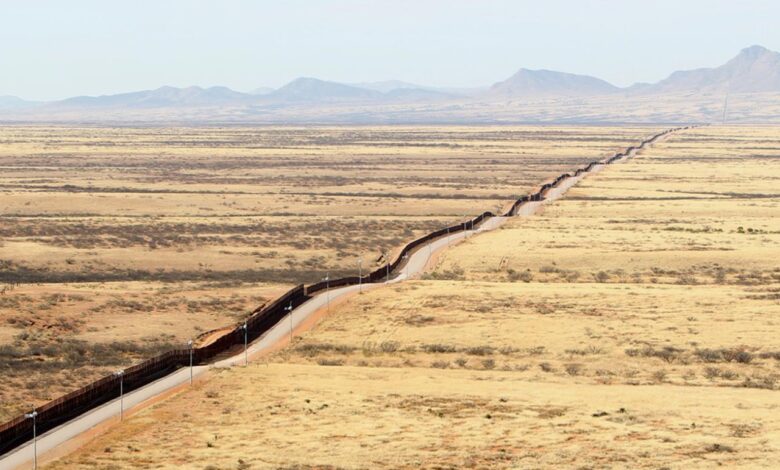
(63, 409)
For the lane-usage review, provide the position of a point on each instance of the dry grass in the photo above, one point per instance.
(311, 416)
(257, 204)
(130, 240)
(56, 338)
(672, 367)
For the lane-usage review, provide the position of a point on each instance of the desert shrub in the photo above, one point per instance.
(601, 276)
(8, 351)
(440, 364)
(313, 349)
(417, 320)
(570, 275)
(739, 355)
(687, 280)
(712, 372)
(659, 375)
(574, 369)
(439, 348)
(479, 350)
(667, 353)
(483, 308)
(590, 350)
(770, 355)
(709, 355)
(330, 362)
(766, 382)
(488, 363)
(524, 276)
(536, 350)
(718, 448)
(389, 346)
(454, 274)
(370, 348)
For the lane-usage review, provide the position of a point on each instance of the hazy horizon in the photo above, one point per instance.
(58, 50)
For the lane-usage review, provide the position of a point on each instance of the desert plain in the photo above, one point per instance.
(631, 324)
(119, 243)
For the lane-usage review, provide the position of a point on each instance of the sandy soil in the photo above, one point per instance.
(516, 353)
(116, 244)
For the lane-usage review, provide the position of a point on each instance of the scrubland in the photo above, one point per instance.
(119, 243)
(55, 338)
(267, 204)
(632, 324)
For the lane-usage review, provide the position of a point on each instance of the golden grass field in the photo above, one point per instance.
(633, 324)
(119, 243)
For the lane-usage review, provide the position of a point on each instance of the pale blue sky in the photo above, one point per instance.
(56, 49)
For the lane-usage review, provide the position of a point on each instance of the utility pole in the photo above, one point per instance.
(360, 274)
(327, 288)
(189, 343)
(121, 375)
(33, 416)
(289, 309)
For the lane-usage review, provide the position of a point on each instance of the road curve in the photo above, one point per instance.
(54, 441)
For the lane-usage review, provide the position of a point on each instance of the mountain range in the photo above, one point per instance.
(754, 70)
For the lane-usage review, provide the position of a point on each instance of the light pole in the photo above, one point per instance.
(448, 235)
(289, 309)
(406, 262)
(246, 354)
(121, 375)
(327, 288)
(189, 343)
(33, 416)
(360, 274)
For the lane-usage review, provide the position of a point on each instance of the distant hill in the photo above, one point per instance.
(166, 96)
(752, 80)
(263, 90)
(389, 85)
(755, 69)
(13, 102)
(315, 90)
(400, 90)
(417, 94)
(545, 83)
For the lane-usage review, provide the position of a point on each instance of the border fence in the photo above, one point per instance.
(65, 408)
